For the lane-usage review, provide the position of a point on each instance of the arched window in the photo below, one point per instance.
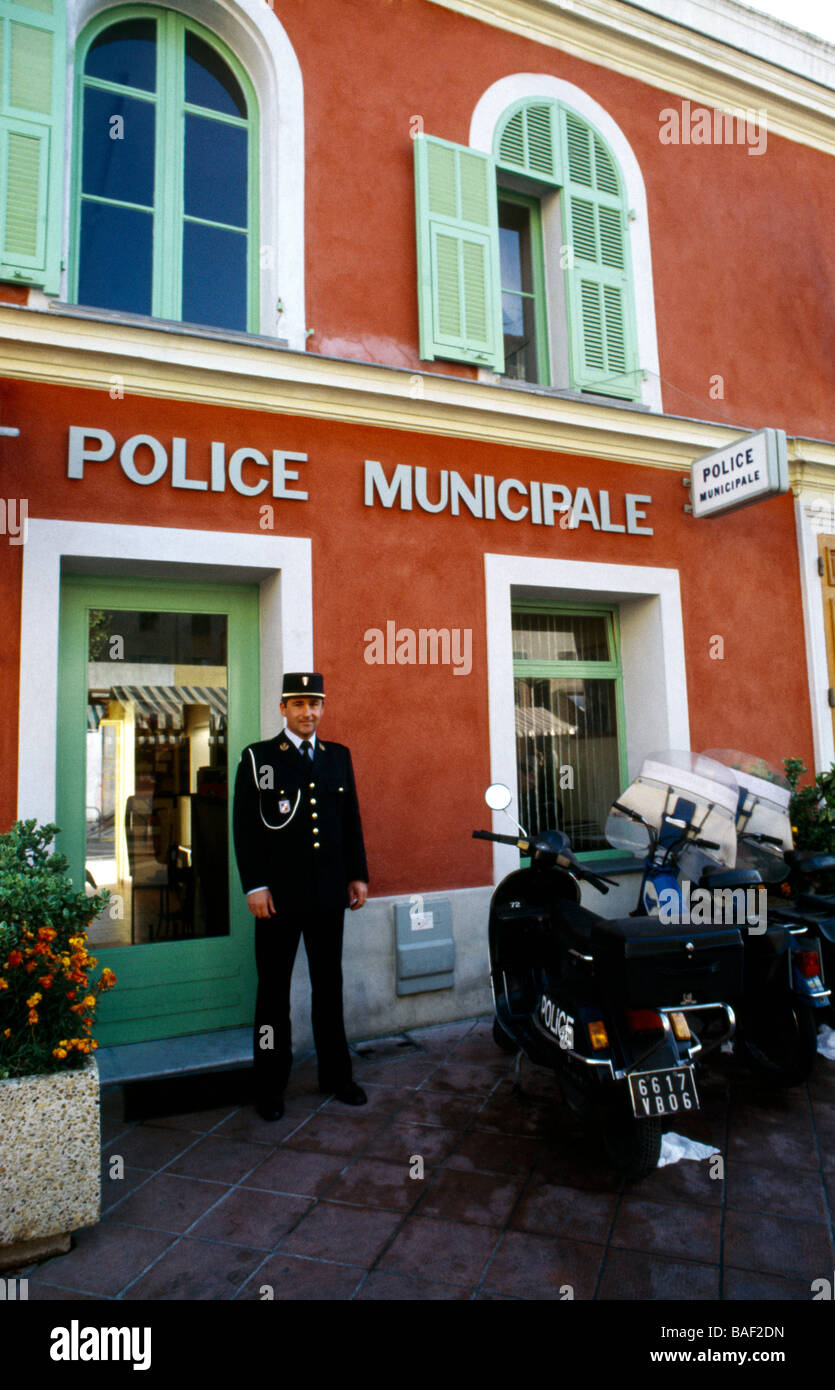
(524, 253)
(166, 198)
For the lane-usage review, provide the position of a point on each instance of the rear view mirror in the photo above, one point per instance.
(498, 796)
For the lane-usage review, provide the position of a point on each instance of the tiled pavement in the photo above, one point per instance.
(513, 1203)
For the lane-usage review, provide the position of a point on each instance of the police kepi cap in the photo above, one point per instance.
(303, 683)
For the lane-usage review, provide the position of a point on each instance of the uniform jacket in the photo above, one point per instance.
(297, 825)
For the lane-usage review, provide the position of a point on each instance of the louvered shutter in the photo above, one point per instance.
(459, 292)
(529, 141)
(602, 340)
(32, 57)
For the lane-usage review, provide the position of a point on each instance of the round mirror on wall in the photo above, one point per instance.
(498, 796)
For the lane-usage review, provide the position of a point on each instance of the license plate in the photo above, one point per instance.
(669, 1092)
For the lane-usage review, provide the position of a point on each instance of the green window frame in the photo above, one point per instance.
(32, 87)
(536, 294)
(168, 212)
(609, 669)
(547, 148)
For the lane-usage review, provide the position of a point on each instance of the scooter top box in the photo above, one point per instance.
(641, 963)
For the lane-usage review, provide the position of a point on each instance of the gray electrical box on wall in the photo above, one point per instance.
(425, 950)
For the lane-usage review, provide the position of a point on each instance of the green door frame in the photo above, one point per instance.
(164, 989)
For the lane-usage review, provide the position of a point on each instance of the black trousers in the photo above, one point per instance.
(276, 944)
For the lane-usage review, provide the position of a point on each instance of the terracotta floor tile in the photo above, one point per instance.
(220, 1160)
(667, 1228)
(200, 1120)
(410, 1072)
(254, 1218)
(777, 1245)
(399, 1141)
(372, 1182)
(751, 1286)
(481, 1152)
(438, 1108)
(441, 1039)
(307, 1174)
(246, 1124)
(339, 1134)
(751, 1187)
(105, 1258)
(383, 1099)
(689, 1180)
(547, 1209)
(148, 1146)
(463, 1078)
(168, 1203)
(197, 1269)
(444, 1251)
(288, 1277)
(114, 1189)
(652, 1277)
(789, 1147)
(383, 1287)
(542, 1267)
(345, 1234)
(483, 1198)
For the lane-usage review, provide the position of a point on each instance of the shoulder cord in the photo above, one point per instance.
(260, 812)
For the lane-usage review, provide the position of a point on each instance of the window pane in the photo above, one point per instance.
(215, 174)
(209, 80)
(519, 329)
(156, 786)
(567, 756)
(116, 248)
(214, 276)
(120, 168)
(515, 247)
(510, 253)
(125, 53)
(560, 637)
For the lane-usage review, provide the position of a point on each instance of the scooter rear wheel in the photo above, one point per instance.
(781, 1048)
(634, 1146)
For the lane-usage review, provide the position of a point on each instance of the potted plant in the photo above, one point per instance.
(50, 1138)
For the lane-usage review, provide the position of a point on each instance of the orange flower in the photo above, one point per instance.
(4, 984)
(47, 934)
(33, 1015)
(108, 979)
(46, 981)
(15, 958)
(33, 1000)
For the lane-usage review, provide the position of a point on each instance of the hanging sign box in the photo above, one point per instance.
(746, 471)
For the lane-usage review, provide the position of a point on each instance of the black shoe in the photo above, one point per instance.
(270, 1108)
(351, 1094)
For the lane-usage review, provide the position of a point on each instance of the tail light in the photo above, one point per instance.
(807, 962)
(680, 1026)
(644, 1021)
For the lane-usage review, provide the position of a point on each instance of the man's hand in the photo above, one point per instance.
(261, 903)
(357, 894)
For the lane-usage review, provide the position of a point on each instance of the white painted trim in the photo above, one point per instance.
(524, 85)
(283, 567)
(652, 637)
(256, 36)
(814, 511)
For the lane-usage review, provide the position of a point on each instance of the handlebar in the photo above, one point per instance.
(501, 839)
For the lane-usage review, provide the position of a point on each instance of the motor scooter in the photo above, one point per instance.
(686, 806)
(765, 842)
(605, 1004)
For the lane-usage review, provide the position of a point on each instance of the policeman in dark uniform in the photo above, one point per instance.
(301, 858)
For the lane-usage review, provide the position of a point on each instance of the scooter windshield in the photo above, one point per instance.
(763, 823)
(686, 796)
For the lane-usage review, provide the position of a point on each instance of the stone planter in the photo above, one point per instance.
(50, 1162)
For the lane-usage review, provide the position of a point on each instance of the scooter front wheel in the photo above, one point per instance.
(634, 1146)
(781, 1046)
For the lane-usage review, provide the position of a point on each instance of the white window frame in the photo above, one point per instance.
(257, 38)
(652, 654)
(489, 110)
(282, 567)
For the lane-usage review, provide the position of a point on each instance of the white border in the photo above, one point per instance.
(256, 36)
(283, 567)
(814, 511)
(524, 85)
(652, 642)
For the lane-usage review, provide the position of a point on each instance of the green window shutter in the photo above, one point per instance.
(459, 293)
(603, 348)
(528, 141)
(32, 58)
